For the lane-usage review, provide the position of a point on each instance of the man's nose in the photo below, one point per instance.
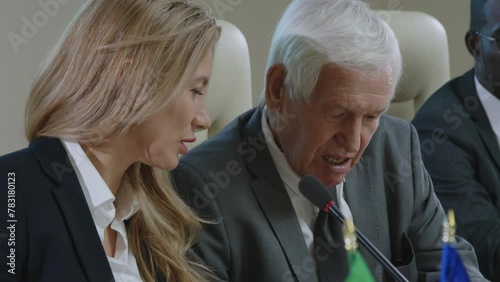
(349, 136)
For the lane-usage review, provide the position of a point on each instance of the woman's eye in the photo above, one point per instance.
(197, 92)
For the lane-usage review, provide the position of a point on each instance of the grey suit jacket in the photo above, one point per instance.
(255, 236)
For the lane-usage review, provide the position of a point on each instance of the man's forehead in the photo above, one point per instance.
(353, 78)
(342, 89)
(361, 73)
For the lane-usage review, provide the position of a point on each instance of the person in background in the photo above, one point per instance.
(106, 119)
(459, 128)
(332, 71)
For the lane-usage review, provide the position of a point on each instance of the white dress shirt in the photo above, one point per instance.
(106, 210)
(491, 105)
(306, 212)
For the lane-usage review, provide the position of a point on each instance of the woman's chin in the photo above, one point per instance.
(165, 164)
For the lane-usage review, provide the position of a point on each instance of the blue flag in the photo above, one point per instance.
(452, 268)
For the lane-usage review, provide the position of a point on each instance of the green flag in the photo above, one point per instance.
(358, 269)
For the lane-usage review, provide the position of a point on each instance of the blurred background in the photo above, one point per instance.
(29, 29)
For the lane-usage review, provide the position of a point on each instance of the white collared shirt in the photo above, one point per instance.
(306, 212)
(106, 210)
(491, 106)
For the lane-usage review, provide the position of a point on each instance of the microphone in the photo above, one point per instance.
(317, 194)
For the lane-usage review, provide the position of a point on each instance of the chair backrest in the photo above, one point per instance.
(230, 91)
(426, 67)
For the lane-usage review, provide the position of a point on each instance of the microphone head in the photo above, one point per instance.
(314, 191)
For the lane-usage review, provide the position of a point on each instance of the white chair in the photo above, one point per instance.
(426, 67)
(230, 90)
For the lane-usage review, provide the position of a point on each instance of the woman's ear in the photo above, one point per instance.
(472, 43)
(275, 87)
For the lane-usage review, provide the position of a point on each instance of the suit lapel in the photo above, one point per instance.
(280, 213)
(275, 202)
(54, 160)
(367, 208)
(489, 138)
(467, 90)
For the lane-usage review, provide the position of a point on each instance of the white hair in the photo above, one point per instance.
(312, 33)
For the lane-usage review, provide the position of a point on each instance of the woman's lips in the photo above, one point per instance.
(184, 147)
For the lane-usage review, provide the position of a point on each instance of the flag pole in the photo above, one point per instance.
(350, 240)
(358, 269)
(449, 228)
(452, 268)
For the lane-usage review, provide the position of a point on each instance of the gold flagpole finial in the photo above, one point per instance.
(449, 228)
(350, 239)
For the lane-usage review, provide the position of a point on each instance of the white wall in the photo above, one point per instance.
(256, 19)
(34, 29)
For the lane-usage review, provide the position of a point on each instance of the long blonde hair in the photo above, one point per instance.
(119, 63)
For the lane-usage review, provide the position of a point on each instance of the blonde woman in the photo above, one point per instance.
(90, 198)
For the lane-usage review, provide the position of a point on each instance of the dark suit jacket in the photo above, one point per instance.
(462, 155)
(55, 235)
(231, 179)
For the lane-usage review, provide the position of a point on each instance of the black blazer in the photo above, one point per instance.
(462, 154)
(55, 236)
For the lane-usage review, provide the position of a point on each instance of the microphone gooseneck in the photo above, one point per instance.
(314, 191)
(317, 194)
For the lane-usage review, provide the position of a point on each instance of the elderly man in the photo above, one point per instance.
(459, 129)
(332, 70)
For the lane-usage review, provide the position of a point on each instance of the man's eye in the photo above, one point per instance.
(338, 114)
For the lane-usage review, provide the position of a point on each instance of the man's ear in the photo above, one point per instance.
(275, 87)
(472, 43)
